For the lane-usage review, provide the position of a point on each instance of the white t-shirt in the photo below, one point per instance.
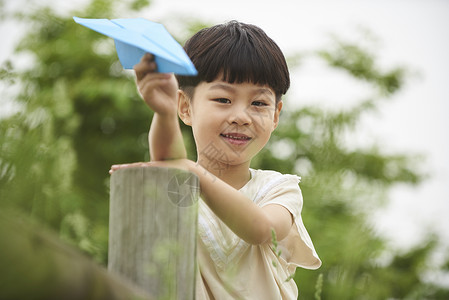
(230, 268)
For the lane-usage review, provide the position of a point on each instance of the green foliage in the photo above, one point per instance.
(139, 4)
(80, 113)
(361, 64)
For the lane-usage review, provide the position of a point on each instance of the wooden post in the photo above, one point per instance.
(152, 229)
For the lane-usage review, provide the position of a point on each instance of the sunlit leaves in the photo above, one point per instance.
(362, 64)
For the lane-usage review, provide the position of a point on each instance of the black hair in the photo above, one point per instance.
(240, 53)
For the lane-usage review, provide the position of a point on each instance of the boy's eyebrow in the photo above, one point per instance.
(221, 86)
(265, 91)
(231, 89)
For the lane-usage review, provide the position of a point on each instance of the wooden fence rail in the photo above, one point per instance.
(36, 264)
(152, 230)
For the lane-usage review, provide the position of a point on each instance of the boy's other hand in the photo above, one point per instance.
(157, 89)
(130, 165)
(182, 164)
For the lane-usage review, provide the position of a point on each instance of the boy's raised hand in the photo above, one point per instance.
(157, 89)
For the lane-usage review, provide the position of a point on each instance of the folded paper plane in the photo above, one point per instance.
(135, 37)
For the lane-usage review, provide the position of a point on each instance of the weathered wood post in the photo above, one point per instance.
(152, 229)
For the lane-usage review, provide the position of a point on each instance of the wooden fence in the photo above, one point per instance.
(36, 264)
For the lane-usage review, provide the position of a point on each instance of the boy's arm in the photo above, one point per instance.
(159, 91)
(250, 222)
(165, 138)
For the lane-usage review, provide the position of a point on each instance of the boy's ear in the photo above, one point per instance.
(184, 111)
(277, 113)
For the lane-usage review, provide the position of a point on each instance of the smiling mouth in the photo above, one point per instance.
(236, 138)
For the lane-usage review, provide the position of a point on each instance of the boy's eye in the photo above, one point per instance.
(222, 100)
(259, 103)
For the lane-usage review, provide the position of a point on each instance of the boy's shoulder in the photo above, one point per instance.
(271, 175)
(266, 183)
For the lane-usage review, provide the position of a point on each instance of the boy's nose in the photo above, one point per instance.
(240, 116)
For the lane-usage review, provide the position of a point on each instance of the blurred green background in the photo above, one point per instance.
(80, 113)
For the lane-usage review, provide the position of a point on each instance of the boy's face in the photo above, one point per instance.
(231, 123)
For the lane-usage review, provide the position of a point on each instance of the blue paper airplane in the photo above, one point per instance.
(135, 37)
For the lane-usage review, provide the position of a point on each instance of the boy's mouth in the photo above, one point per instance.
(236, 138)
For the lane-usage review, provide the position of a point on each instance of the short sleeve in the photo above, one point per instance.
(297, 248)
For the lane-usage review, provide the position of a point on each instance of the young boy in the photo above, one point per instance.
(233, 106)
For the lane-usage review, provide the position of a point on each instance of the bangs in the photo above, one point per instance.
(238, 53)
(244, 62)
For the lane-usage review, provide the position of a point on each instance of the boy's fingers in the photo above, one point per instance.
(152, 80)
(154, 77)
(147, 56)
(145, 66)
(130, 165)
